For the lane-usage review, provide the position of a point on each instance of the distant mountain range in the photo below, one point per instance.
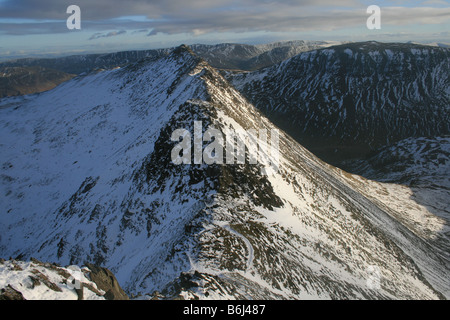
(31, 75)
(225, 56)
(78, 64)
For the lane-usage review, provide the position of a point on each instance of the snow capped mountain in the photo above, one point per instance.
(87, 175)
(345, 101)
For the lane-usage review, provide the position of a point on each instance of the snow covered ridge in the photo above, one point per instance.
(86, 175)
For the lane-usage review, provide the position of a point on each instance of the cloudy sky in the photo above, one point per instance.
(38, 27)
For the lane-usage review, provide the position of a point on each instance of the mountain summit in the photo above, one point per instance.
(87, 176)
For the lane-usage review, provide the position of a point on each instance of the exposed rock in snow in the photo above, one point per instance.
(35, 280)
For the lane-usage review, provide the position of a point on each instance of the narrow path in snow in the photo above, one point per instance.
(247, 243)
